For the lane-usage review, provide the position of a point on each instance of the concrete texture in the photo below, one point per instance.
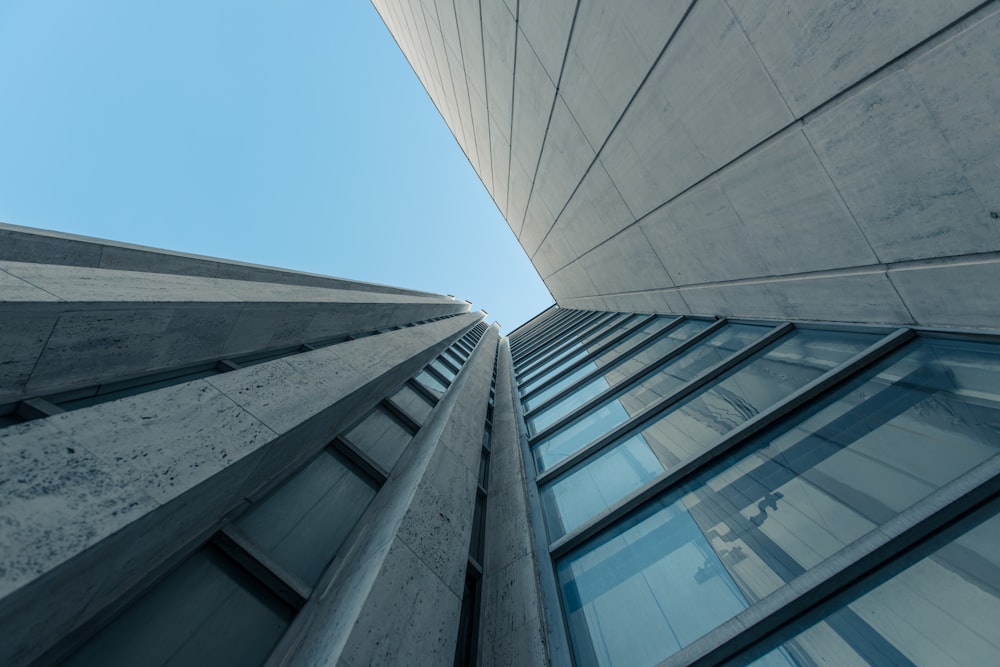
(69, 326)
(106, 495)
(395, 594)
(512, 629)
(39, 246)
(758, 147)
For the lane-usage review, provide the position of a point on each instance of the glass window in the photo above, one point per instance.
(577, 350)
(614, 374)
(303, 522)
(602, 419)
(942, 610)
(786, 501)
(207, 612)
(381, 437)
(412, 403)
(431, 383)
(446, 371)
(699, 422)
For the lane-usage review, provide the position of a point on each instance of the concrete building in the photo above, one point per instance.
(760, 426)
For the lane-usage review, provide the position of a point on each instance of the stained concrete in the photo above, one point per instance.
(70, 326)
(110, 493)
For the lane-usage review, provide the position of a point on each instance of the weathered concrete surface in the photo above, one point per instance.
(512, 628)
(40, 246)
(761, 148)
(66, 326)
(393, 597)
(103, 496)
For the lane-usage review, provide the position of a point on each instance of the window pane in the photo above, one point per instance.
(617, 411)
(444, 369)
(699, 422)
(304, 521)
(668, 342)
(207, 613)
(431, 383)
(413, 404)
(581, 350)
(942, 610)
(789, 499)
(381, 437)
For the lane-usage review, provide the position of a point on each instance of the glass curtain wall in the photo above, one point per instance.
(693, 468)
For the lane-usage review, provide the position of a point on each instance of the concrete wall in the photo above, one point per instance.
(96, 500)
(63, 327)
(807, 159)
(394, 595)
(40, 246)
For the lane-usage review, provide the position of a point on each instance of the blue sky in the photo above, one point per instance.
(290, 133)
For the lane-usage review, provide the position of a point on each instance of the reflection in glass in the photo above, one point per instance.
(615, 365)
(206, 613)
(573, 353)
(784, 502)
(670, 377)
(637, 337)
(699, 422)
(304, 521)
(431, 383)
(942, 610)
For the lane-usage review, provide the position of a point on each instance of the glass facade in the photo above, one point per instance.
(677, 497)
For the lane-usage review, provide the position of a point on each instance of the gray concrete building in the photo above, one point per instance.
(760, 426)
(804, 159)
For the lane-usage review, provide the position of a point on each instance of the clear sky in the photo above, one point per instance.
(291, 133)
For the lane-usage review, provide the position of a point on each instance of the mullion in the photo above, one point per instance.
(538, 345)
(629, 383)
(554, 339)
(610, 326)
(625, 357)
(599, 324)
(686, 470)
(634, 328)
(566, 317)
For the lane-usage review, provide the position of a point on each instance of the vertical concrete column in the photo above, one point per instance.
(513, 625)
(394, 595)
(96, 501)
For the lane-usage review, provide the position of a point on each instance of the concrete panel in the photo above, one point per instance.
(13, 288)
(500, 149)
(570, 281)
(22, 338)
(554, 253)
(499, 33)
(565, 159)
(596, 212)
(471, 34)
(588, 303)
(791, 211)
(400, 628)
(668, 302)
(959, 83)
(480, 122)
(813, 49)
(58, 499)
(613, 47)
(517, 199)
(547, 27)
(39, 246)
(537, 222)
(951, 295)
(625, 263)
(700, 238)
(855, 297)
(19, 244)
(706, 102)
(898, 175)
(533, 97)
(167, 441)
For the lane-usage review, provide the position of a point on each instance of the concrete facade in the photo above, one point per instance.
(825, 160)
